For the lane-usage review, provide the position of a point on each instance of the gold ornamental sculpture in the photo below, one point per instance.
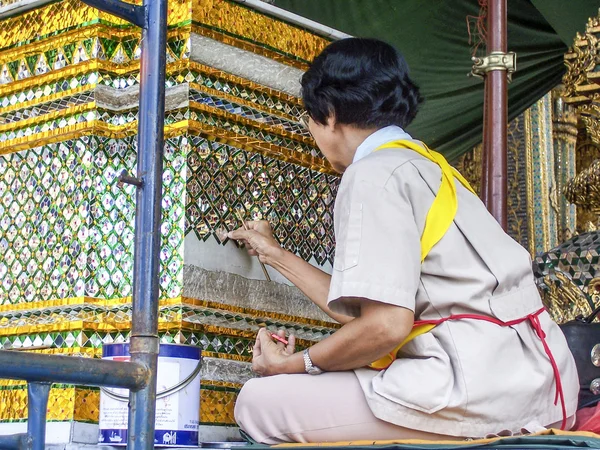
(568, 275)
(582, 80)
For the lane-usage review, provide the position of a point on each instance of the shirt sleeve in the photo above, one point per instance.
(378, 248)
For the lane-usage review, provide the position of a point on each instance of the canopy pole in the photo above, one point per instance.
(484, 194)
(494, 181)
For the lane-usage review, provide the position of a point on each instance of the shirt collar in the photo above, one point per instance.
(378, 138)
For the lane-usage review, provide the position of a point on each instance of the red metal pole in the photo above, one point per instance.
(484, 194)
(496, 116)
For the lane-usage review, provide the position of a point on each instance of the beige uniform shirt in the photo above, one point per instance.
(466, 377)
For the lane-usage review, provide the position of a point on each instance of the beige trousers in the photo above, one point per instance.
(330, 407)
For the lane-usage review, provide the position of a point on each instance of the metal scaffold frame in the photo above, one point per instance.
(139, 374)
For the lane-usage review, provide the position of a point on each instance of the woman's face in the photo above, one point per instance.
(328, 141)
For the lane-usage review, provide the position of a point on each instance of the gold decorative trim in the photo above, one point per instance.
(42, 119)
(39, 22)
(217, 407)
(259, 313)
(97, 30)
(47, 99)
(83, 108)
(262, 147)
(72, 14)
(529, 181)
(61, 404)
(565, 301)
(225, 384)
(584, 188)
(73, 70)
(251, 123)
(133, 67)
(66, 133)
(249, 47)
(244, 102)
(254, 26)
(89, 352)
(181, 300)
(83, 404)
(514, 200)
(100, 128)
(221, 20)
(545, 170)
(207, 70)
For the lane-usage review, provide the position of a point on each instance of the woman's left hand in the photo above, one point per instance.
(269, 356)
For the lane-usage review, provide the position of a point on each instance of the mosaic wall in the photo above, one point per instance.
(68, 117)
(535, 202)
(541, 181)
(542, 158)
(568, 277)
(564, 131)
(470, 165)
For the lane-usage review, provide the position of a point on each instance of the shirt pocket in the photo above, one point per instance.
(421, 378)
(347, 250)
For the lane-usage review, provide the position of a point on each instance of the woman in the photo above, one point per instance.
(413, 246)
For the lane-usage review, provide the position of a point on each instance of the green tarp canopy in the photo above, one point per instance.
(433, 36)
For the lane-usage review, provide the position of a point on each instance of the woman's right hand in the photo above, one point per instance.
(259, 241)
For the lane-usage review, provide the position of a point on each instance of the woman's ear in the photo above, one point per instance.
(331, 123)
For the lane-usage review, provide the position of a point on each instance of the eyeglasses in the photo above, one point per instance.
(303, 119)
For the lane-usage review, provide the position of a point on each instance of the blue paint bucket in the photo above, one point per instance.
(177, 404)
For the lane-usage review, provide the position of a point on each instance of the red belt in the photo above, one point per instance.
(535, 324)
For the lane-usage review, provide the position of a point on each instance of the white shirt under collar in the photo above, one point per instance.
(378, 138)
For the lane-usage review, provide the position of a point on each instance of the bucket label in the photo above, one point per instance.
(177, 414)
(167, 408)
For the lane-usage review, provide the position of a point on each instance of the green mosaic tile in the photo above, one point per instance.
(578, 257)
(298, 202)
(68, 51)
(51, 56)
(13, 67)
(66, 229)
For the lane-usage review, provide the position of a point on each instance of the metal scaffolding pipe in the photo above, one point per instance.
(72, 370)
(37, 404)
(144, 342)
(15, 441)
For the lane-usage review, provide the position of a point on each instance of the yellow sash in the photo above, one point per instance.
(438, 220)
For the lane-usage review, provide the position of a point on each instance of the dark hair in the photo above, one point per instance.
(361, 82)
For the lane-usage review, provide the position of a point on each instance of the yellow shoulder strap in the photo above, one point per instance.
(443, 210)
(438, 220)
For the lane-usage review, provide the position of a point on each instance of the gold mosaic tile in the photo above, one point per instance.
(175, 301)
(61, 404)
(40, 22)
(91, 72)
(82, 404)
(217, 406)
(68, 15)
(13, 404)
(222, 20)
(230, 18)
(99, 128)
(87, 405)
